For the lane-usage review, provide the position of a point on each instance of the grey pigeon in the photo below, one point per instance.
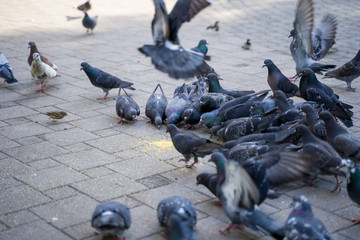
(111, 219)
(308, 43)
(126, 108)
(247, 45)
(287, 111)
(167, 54)
(104, 80)
(88, 22)
(278, 81)
(176, 106)
(191, 144)
(6, 70)
(315, 124)
(347, 72)
(86, 6)
(311, 89)
(344, 142)
(41, 71)
(155, 107)
(179, 215)
(202, 48)
(33, 49)
(302, 224)
(212, 101)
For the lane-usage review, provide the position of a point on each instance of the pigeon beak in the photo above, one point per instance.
(81, 68)
(29, 46)
(264, 66)
(289, 36)
(197, 183)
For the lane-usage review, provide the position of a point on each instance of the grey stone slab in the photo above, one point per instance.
(61, 192)
(106, 132)
(15, 112)
(140, 167)
(78, 147)
(8, 182)
(7, 143)
(81, 231)
(29, 140)
(10, 167)
(11, 96)
(17, 121)
(351, 212)
(35, 151)
(154, 181)
(97, 172)
(130, 202)
(95, 123)
(351, 232)
(69, 137)
(81, 106)
(108, 187)
(18, 218)
(41, 101)
(213, 210)
(115, 143)
(45, 163)
(54, 177)
(67, 212)
(36, 230)
(86, 159)
(21, 197)
(24, 130)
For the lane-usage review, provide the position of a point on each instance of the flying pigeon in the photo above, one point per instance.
(347, 72)
(6, 70)
(167, 54)
(126, 108)
(41, 71)
(33, 49)
(302, 224)
(278, 81)
(86, 6)
(215, 26)
(344, 142)
(311, 89)
(104, 80)
(191, 144)
(315, 124)
(247, 45)
(353, 184)
(308, 43)
(88, 22)
(111, 219)
(179, 215)
(155, 107)
(202, 48)
(56, 115)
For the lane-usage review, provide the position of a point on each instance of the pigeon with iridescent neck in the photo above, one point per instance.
(353, 184)
(6, 70)
(89, 23)
(202, 48)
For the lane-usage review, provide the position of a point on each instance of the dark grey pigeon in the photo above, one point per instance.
(347, 72)
(167, 54)
(302, 224)
(315, 124)
(126, 108)
(104, 80)
(287, 111)
(308, 43)
(311, 89)
(191, 144)
(89, 23)
(202, 48)
(278, 81)
(212, 101)
(6, 70)
(111, 219)
(344, 142)
(179, 215)
(155, 107)
(177, 105)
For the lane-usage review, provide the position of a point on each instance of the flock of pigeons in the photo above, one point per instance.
(267, 141)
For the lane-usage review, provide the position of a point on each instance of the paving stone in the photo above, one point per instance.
(11, 96)
(61, 192)
(106, 132)
(95, 123)
(69, 137)
(114, 144)
(78, 147)
(40, 101)
(15, 112)
(7, 143)
(130, 202)
(351, 212)
(140, 167)
(8, 182)
(10, 167)
(23, 130)
(36, 230)
(57, 176)
(86, 159)
(108, 187)
(80, 231)
(33, 152)
(154, 181)
(18, 218)
(97, 172)
(20, 197)
(80, 106)
(45, 163)
(352, 232)
(61, 213)
(29, 140)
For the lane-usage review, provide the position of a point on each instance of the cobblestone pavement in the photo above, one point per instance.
(52, 175)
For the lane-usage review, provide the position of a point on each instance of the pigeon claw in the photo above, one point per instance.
(227, 229)
(97, 233)
(356, 221)
(218, 203)
(190, 165)
(121, 121)
(338, 185)
(350, 89)
(101, 98)
(182, 160)
(294, 78)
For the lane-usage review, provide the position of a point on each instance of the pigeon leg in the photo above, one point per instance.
(103, 98)
(294, 78)
(338, 185)
(356, 221)
(349, 88)
(41, 90)
(121, 121)
(230, 227)
(189, 126)
(218, 203)
(190, 165)
(182, 160)
(97, 233)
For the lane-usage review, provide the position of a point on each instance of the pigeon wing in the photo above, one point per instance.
(303, 25)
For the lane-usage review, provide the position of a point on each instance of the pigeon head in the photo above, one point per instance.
(203, 178)
(86, 15)
(84, 65)
(187, 113)
(301, 205)
(306, 107)
(292, 33)
(212, 76)
(172, 129)
(203, 42)
(132, 113)
(307, 72)
(158, 121)
(248, 41)
(36, 57)
(219, 159)
(31, 45)
(326, 116)
(267, 63)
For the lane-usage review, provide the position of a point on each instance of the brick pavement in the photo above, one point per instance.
(52, 175)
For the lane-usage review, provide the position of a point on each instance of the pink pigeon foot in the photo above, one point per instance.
(230, 227)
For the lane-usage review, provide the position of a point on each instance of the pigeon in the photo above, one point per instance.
(111, 219)
(287, 111)
(323, 155)
(208, 118)
(202, 48)
(243, 151)
(126, 108)
(167, 54)
(308, 43)
(41, 71)
(6, 70)
(278, 81)
(347, 72)
(104, 80)
(311, 89)
(247, 45)
(215, 26)
(179, 215)
(155, 107)
(191, 144)
(315, 124)
(33, 49)
(214, 86)
(192, 112)
(88, 22)
(86, 6)
(212, 101)
(353, 184)
(302, 224)
(209, 180)
(344, 142)
(56, 115)
(176, 106)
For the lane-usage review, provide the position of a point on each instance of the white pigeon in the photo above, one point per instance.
(41, 71)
